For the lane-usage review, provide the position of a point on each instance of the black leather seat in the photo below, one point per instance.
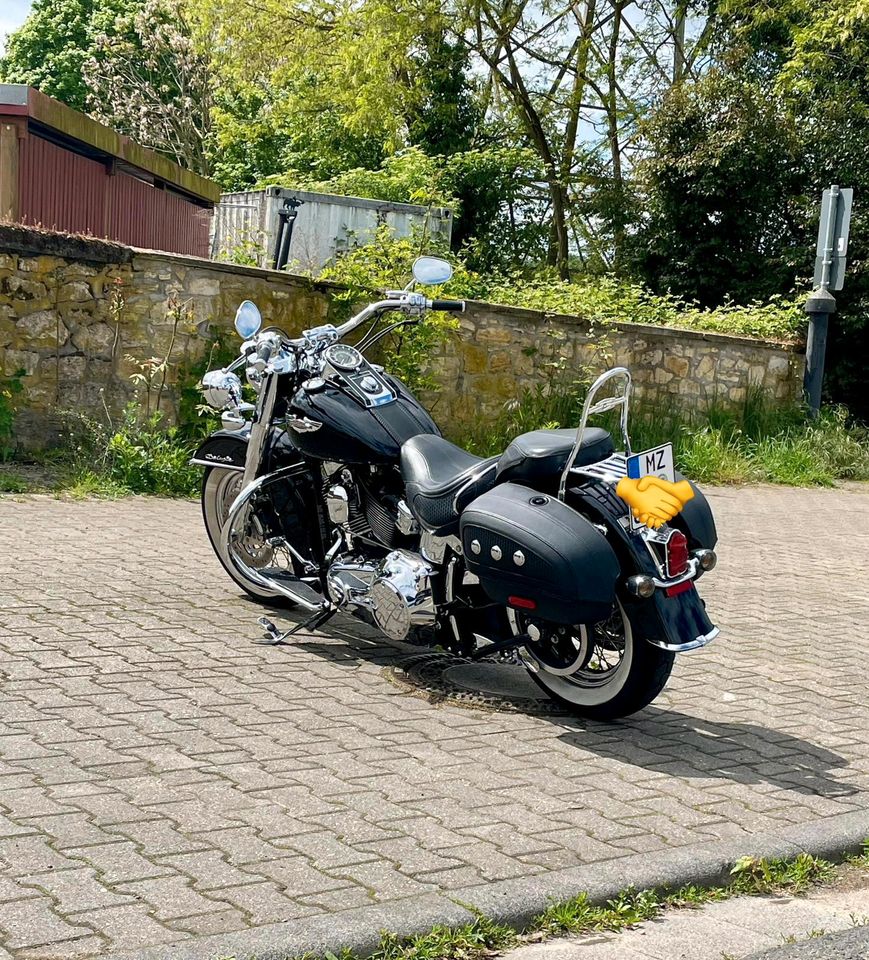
(434, 472)
(541, 454)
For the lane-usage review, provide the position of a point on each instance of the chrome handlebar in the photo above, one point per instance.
(259, 352)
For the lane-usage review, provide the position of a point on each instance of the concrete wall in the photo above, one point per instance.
(58, 324)
(325, 224)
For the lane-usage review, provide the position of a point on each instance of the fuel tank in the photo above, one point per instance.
(352, 432)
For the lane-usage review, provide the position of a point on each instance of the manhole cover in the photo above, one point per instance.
(477, 684)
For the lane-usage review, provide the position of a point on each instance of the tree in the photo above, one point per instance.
(719, 188)
(49, 50)
(149, 79)
(575, 79)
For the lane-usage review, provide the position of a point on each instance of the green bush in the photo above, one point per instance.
(386, 260)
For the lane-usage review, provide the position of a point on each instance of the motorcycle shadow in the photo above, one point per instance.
(658, 739)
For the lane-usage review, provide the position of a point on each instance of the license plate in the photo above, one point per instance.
(657, 462)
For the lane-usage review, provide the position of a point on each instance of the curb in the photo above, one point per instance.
(516, 902)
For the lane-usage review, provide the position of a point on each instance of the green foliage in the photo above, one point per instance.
(719, 186)
(608, 299)
(10, 391)
(860, 859)
(384, 264)
(50, 49)
(474, 940)
(12, 482)
(482, 186)
(579, 915)
(193, 422)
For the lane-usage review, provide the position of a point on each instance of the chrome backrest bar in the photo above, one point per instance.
(621, 399)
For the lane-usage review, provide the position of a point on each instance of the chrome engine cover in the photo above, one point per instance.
(400, 596)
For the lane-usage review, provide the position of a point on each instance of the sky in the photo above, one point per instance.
(12, 15)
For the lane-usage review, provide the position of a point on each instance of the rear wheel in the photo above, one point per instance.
(596, 670)
(219, 490)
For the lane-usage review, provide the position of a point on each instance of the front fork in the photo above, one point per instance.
(260, 427)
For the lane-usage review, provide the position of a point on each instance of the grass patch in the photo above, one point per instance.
(757, 875)
(12, 482)
(483, 938)
(757, 443)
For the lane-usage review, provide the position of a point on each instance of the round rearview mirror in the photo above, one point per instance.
(431, 270)
(248, 319)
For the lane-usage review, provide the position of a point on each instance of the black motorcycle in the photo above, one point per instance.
(340, 494)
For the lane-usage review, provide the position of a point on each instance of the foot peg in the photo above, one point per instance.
(273, 637)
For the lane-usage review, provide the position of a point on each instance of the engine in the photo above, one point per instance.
(395, 589)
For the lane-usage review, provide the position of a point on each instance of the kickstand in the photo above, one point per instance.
(273, 637)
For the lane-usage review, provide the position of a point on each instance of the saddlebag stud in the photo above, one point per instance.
(475, 547)
(496, 552)
(519, 558)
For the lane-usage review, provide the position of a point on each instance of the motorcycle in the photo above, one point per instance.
(335, 491)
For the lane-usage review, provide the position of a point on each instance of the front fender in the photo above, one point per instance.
(227, 449)
(224, 448)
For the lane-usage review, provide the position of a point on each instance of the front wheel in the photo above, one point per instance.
(596, 671)
(219, 490)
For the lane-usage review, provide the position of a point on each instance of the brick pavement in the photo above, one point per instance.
(161, 777)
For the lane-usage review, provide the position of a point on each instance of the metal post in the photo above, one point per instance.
(829, 274)
(287, 220)
(820, 305)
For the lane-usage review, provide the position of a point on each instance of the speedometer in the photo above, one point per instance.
(343, 357)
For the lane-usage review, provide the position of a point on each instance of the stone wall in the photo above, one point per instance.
(501, 351)
(77, 314)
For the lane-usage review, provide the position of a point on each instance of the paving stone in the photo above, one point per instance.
(170, 897)
(119, 862)
(31, 923)
(265, 903)
(75, 890)
(147, 747)
(129, 927)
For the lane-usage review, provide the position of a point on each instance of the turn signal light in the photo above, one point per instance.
(641, 586)
(706, 558)
(676, 556)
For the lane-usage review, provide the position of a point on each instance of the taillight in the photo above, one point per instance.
(676, 554)
(524, 603)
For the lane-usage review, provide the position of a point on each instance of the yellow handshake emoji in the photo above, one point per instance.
(654, 501)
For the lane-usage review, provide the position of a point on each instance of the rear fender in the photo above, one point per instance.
(696, 520)
(677, 622)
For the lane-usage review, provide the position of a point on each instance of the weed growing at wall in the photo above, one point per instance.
(10, 391)
(758, 443)
(135, 454)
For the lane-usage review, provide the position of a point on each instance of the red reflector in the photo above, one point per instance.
(679, 588)
(522, 602)
(677, 554)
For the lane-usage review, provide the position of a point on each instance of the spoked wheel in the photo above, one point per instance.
(256, 541)
(595, 670)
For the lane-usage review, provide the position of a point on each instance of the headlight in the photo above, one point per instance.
(221, 389)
